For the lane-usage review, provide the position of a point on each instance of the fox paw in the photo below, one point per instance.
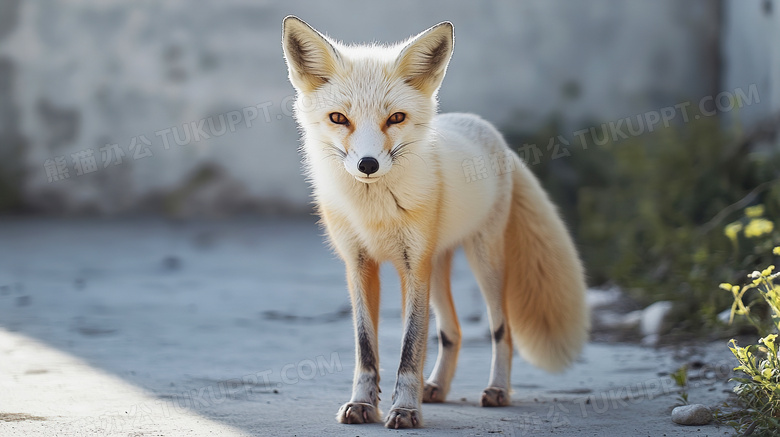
(358, 412)
(432, 393)
(494, 397)
(403, 418)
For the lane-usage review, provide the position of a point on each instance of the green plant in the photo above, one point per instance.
(647, 210)
(759, 388)
(680, 377)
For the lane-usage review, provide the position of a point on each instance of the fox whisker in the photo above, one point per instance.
(335, 151)
(400, 147)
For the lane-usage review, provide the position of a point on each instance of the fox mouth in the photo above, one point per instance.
(367, 180)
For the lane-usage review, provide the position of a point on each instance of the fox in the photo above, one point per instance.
(392, 182)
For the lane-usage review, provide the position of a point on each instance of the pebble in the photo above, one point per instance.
(696, 414)
(653, 317)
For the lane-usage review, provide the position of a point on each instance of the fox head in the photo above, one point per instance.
(365, 106)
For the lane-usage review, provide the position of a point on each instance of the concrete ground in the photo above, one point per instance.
(148, 327)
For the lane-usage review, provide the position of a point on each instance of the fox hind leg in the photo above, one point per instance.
(485, 253)
(438, 384)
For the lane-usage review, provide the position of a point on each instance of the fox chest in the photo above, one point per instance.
(388, 237)
(386, 227)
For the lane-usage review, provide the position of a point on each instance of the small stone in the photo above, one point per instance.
(653, 318)
(696, 414)
(725, 315)
(695, 364)
(171, 263)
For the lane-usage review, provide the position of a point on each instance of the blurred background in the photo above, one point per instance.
(646, 120)
(155, 224)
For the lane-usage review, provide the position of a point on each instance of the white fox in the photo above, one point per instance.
(389, 184)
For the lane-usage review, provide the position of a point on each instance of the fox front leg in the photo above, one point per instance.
(407, 395)
(363, 281)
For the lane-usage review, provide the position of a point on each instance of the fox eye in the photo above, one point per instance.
(396, 118)
(338, 118)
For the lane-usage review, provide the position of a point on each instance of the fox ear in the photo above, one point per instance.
(423, 61)
(311, 58)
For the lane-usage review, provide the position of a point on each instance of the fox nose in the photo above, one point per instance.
(368, 165)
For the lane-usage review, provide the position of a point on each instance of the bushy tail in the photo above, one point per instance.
(545, 284)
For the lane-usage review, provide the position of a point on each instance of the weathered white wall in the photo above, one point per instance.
(751, 55)
(775, 55)
(86, 73)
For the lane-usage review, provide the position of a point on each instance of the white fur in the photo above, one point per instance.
(420, 206)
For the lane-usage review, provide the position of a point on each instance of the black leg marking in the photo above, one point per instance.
(408, 356)
(367, 359)
(406, 260)
(499, 334)
(361, 259)
(445, 342)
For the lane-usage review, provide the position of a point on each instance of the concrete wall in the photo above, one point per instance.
(751, 55)
(77, 76)
(12, 144)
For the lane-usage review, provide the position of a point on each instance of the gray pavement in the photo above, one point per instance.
(148, 327)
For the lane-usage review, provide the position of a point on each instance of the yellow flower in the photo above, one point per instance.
(754, 211)
(725, 286)
(773, 295)
(769, 341)
(768, 271)
(776, 250)
(732, 230)
(758, 227)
